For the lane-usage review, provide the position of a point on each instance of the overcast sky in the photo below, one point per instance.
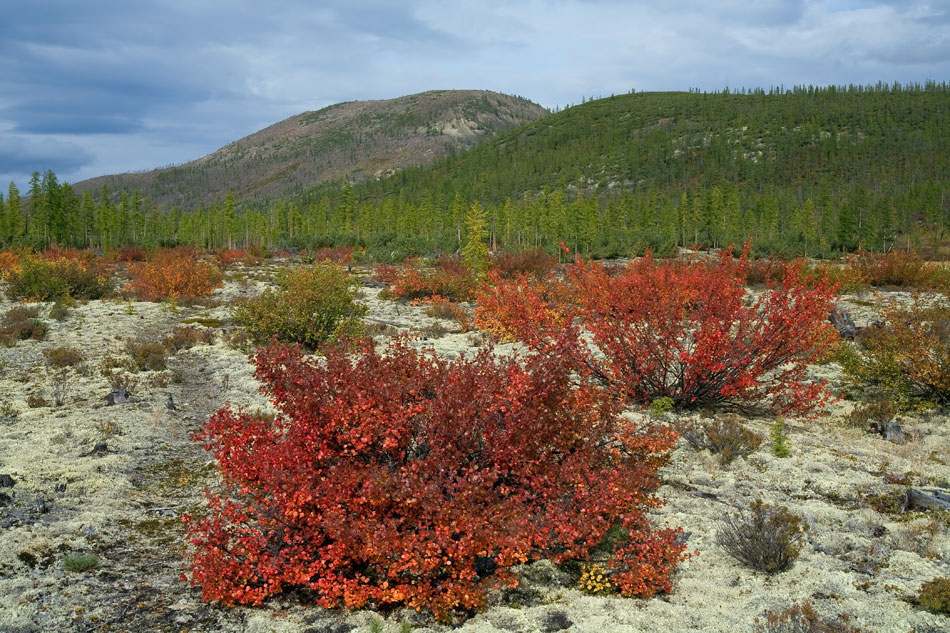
(91, 87)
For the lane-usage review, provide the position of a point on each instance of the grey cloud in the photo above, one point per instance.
(21, 155)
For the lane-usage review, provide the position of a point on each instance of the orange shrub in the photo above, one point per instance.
(900, 267)
(171, 274)
(501, 303)
(9, 262)
(449, 279)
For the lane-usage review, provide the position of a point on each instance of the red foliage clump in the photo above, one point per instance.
(509, 308)
(342, 255)
(449, 279)
(128, 254)
(687, 331)
(401, 478)
(533, 262)
(173, 273)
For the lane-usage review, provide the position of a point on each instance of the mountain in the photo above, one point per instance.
(356, 140)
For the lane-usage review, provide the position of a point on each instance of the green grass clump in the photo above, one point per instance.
(80, 562)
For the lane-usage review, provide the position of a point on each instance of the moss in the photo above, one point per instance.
(203, 321)
(80, 562)
(935, 595)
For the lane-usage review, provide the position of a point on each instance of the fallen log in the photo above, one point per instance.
(933, 498)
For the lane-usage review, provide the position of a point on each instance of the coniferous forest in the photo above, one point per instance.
(802, 171)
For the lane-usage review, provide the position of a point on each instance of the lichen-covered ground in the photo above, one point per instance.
(113, 481)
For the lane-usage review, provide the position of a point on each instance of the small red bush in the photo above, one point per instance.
(506, 308)
(685, 330)
(403, 478)
(342, 255)
(449, 279)
(534, 262)
(129, 254)
(171, 274)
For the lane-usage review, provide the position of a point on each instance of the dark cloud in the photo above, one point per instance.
(21, 156)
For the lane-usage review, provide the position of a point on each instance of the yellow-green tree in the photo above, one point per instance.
(475, 250)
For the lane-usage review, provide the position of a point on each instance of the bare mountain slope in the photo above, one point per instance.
(358, 140)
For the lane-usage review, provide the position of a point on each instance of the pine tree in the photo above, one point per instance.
(475, 250)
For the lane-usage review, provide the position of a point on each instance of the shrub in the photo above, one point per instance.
(57, 274)
(183, 337)
(129, 254)
(935, 595)
(449, 278)
(147, 354)
(779, 436)
(805, 619)
(311, 306)
(684, 330)
(507, 308)
(20, 324)
(342, 255)
(405, 478)
(724, 435)
(899, 267)
(533, 262)
(9, 264)
(766, 538)
(59, 357)
(907, 362)
(172, 274)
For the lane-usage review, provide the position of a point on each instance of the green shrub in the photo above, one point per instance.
(766, 538)
(311, 306)
(935, 595)
(43, 278)
(780, 447)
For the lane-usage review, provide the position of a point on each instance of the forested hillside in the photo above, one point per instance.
(814, 171)
(357, 140)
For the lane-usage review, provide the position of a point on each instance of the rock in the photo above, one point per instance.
(556, 621)
(101, 448)
(5, 500)
(6, 481)
(119, 395)
(170, 404)
(844, 324)
(60, 487)
(893, 432)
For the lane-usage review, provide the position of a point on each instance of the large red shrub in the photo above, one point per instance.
(686, 330)
(403, 478)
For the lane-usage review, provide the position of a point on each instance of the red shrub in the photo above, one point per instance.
(449, 279)
(507, 308)
(342, 255)
(171, 274)
(128, 254)
(403, 478)
(684, 330)
(534, 262)
(227, 258)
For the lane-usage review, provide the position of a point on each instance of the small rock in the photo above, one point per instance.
(101, 448)
(118, 395)
(170, 404)
(844, 324)
(60, 487)
(6, 481)
(5, 500)
(893, 432)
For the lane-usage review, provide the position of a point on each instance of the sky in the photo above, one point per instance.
(93, 87)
